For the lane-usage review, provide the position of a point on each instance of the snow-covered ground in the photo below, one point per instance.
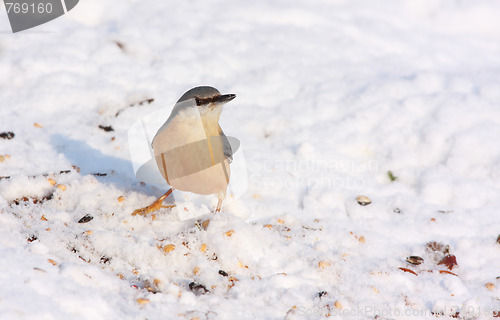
(331, 95)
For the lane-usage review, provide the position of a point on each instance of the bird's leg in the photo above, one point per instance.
(155, 205)
(219, 205)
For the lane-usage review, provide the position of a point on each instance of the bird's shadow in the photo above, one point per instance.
(106, 168)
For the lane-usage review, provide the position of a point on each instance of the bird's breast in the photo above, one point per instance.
(190, 155)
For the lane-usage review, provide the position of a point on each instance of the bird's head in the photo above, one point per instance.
(208, 99)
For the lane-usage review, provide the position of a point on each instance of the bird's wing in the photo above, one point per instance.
(228, 151)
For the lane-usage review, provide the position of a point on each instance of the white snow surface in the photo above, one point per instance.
(331, 95)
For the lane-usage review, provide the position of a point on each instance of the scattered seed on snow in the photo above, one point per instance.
(4, 157)
(86, 218)
(408, 270)
(416, 260)
(203, 247)
(205, 224)
(7, 135)
(363, 200)
(197, 288)
(223, 273)
(450, 261)
(169, 247)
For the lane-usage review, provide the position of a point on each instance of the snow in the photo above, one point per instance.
(331, 95)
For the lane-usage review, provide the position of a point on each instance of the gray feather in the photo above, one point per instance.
(228, 151)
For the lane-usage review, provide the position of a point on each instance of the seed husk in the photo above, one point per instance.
(363, 200)
(86, 218)
(415, 260)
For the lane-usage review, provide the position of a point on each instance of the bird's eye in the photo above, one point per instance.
(201, 101)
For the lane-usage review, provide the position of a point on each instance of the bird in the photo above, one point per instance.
(191, 150)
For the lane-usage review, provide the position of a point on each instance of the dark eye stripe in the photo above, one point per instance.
(202, 101)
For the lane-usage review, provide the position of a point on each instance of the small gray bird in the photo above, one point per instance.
(191, 150)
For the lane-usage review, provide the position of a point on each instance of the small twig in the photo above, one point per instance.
(7, 135)
(391, 176)
(41, 175)
(140, 103)
(313, 229)
(34, 200)
(106, 128)
(97, 174)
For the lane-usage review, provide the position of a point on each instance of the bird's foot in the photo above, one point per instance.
(151, 208)
(157, 205)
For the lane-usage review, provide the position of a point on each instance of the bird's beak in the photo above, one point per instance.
(225, 98)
